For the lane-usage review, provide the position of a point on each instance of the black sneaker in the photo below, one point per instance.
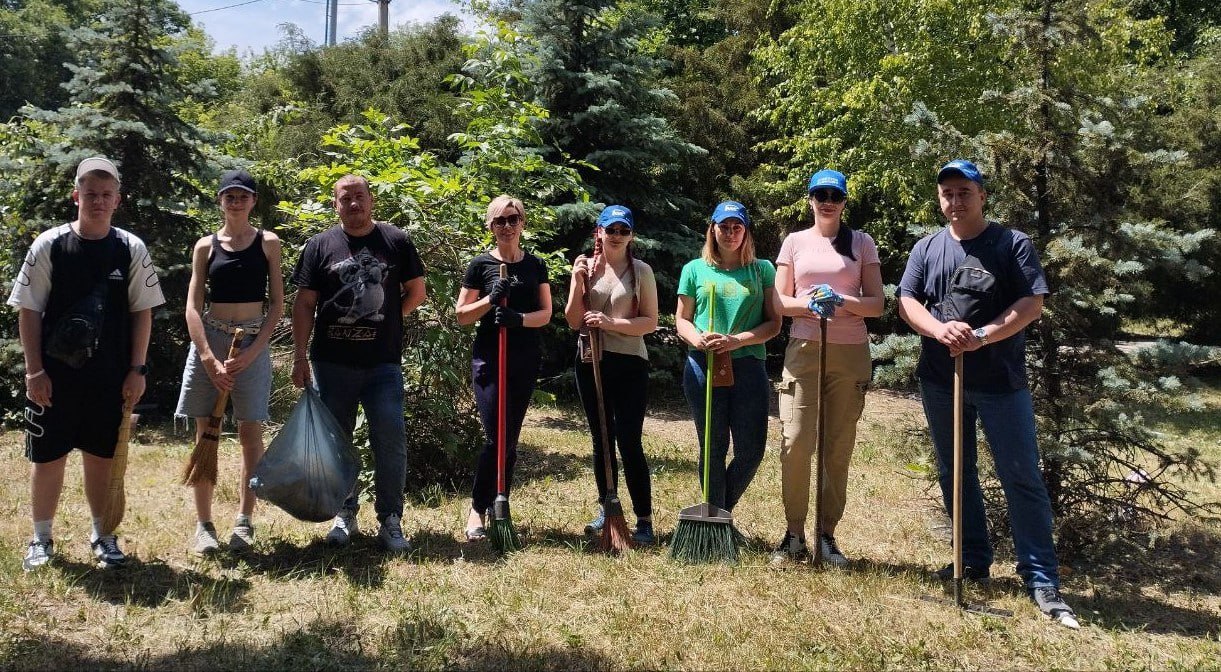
(830, 551)
(790, 549)
(969, 573)
(1051, 603)
(644, 534)
(106, 550)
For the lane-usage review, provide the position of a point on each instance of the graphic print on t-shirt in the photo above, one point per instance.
(360, 297)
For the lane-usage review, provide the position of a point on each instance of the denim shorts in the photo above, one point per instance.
(251, 388)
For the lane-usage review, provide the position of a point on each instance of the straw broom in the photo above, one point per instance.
(500, 530)
(705, 533)
(202, 464)
(116, 498)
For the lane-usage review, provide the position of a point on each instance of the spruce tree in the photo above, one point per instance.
(125, 93)
(591, 71)
(1086, 143)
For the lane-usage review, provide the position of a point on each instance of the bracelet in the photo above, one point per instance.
(32, 376)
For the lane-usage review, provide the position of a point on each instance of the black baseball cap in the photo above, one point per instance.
(236, 179)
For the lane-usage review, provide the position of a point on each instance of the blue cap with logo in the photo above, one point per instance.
(828, 179)
(616, 214)
(961, 168)
(727, 209)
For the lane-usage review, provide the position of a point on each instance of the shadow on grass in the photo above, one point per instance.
(362, 562)
(420, 638)
(1126, 608)
(1126, 584)
(154, 583)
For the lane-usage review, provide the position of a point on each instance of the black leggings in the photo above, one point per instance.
(625, 381)
(521, 376)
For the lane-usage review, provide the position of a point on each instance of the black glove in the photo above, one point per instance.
(507, 317)
(500, 291)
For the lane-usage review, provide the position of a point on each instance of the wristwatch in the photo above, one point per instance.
(981, 335)
(141, 369)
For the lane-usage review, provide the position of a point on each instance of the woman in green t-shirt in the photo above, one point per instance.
(737, 290)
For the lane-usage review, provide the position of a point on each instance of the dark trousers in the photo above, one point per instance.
(521, 376)
(625, 381)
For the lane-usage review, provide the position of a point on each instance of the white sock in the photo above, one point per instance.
(97, 530)
(242, 519)
(199, 526)
(42, 530)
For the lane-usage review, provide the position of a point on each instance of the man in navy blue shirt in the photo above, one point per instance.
(993, 345)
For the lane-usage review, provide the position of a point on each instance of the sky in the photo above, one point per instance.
(251, 25)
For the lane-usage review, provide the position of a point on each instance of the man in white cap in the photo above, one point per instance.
(85, 294)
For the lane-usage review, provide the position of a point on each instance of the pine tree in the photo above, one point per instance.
(590, 70)
(125, 93)
(1085, 141)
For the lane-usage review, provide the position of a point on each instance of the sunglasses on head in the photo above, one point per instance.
(824, 195)
(617, 231)
(508, 221)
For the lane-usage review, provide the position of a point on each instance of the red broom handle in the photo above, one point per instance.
(501, 394)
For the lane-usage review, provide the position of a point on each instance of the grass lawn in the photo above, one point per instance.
(298, 604)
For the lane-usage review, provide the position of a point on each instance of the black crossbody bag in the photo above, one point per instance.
(75, 336)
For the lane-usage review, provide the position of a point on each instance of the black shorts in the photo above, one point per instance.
(84, 416)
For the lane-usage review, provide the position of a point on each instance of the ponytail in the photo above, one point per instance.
(842, 242)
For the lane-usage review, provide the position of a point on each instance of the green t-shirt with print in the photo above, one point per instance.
(740, 295)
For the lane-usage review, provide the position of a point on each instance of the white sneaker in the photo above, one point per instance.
(830, 552)
(391, 536)
(106, 550)
(343, 528)
(206, 542)
(790, 549)
(242, 538)
(38, 554)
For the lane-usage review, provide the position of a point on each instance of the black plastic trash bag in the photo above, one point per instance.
(310, 467)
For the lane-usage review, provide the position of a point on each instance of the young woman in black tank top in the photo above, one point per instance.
(234, 272)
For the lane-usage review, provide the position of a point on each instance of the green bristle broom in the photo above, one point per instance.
(705, 533)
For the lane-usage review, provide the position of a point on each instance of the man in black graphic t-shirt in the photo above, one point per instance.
(355, 282)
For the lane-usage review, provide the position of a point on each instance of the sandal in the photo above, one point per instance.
(476, 533)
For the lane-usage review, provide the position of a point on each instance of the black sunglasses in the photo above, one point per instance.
(833, 195)
(507, 221)
(617, 231)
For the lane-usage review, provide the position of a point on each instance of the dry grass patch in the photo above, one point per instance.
(298, 604)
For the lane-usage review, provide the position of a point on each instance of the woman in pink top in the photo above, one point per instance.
(827, 271)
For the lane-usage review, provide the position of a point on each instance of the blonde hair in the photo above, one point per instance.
(499, 203)
(712, 252)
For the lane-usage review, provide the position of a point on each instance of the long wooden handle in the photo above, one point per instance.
(957, 503)
(595, 342)
(819, 439)
(222, 399)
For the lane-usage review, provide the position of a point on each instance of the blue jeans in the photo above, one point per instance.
(379, 389)
(1008, 420)
(738, 411)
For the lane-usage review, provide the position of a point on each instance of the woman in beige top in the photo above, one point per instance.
(623, 304)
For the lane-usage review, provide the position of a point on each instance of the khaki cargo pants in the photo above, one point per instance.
(849, 370)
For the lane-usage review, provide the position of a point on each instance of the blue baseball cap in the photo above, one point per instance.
(616, 214)
(727, 209)
(831, 179)
(961, 168)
